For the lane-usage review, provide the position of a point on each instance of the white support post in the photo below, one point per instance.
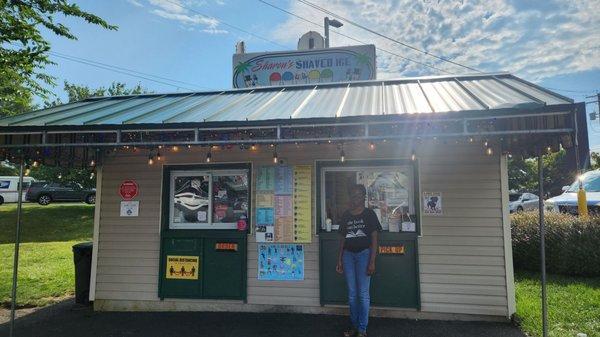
(96, 232)
(508, 257)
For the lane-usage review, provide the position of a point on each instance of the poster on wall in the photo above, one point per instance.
(283, 204)
(130, 208)
(432, 203)
(302, 203)
(280, 262)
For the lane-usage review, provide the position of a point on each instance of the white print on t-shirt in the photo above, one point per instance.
(355, 228)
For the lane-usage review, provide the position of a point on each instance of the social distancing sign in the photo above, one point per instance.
(183, 267)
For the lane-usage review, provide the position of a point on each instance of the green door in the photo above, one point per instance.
(218, 259)
(171, 285)
(224, 268)
(395, 284)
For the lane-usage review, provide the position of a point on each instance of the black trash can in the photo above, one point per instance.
(82, 256)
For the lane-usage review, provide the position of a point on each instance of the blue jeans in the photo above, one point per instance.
(355, 269)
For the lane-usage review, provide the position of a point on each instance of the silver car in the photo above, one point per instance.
(519, 202)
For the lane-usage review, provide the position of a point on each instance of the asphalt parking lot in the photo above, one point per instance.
(67, 319)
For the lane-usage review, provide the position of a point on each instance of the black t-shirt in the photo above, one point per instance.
(358, 229)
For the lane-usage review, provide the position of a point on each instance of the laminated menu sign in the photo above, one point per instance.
(283, 180)
(280, 262)
(265, 178)
(283, 201)
(302, 203)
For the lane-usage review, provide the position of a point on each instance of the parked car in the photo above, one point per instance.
(44, 193)
(567, 202)
(9, 188)
(519, 202)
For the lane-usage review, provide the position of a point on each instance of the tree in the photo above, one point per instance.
(24, 52)
(78, 92)
(523, 173)
(595, 160)
(7, 170)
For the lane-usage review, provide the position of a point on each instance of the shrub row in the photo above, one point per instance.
(572, 243)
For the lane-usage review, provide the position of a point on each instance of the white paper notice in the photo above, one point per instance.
(130, 208)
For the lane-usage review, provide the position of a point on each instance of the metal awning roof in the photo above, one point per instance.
(420, 95)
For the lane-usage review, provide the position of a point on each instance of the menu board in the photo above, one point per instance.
(283, 204)
(302, 203)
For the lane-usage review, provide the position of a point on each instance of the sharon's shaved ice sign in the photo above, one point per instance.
(352, 63)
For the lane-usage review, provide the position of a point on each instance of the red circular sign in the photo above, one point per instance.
(128, 189)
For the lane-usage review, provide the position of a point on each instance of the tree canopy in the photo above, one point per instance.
(78, 92)
(523, 174)
(24, 52)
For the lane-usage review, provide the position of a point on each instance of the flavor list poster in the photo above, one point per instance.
(283, 204)
(280, 262)
(302, 203)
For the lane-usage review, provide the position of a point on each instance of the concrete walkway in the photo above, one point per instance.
(67, 319)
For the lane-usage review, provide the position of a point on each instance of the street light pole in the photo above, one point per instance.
(326, 23)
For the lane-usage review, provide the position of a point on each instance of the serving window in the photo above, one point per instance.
(208, 199)
(390, 193)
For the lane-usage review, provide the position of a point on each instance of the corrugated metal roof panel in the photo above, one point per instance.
(449, 96)
(324, 102)
(549, 98)
(405, 98)
(363, 100)
(495, 95)
(402, 96)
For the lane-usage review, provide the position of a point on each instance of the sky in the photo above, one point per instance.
(186, 45)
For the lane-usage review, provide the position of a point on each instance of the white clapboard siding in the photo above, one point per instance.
(461, 253)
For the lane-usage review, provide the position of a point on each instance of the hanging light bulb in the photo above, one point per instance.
(413, 155)
(208, 156)
(342, 156)
(158, 156)
(549, 149)
(489, 151)
(27, 170)
(35, 163)
(485, 143)
(92, 174)
(150, 160)
(253, 147)
(59, 175)
(471, 140)
(175, 148)
(92, 162)
(275, 159)
(189, 146)
(372, 146)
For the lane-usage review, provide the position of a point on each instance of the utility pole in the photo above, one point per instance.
(597, 96)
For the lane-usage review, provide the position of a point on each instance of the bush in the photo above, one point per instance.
(572, 243)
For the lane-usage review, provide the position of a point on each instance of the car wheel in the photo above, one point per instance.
(90, 199)
(519, 209)
(1, 200)
(44, 199)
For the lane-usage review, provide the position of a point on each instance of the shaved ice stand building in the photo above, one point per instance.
(230, 200)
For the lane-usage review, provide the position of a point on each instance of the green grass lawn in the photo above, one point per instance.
(46, 258)
(573, 304)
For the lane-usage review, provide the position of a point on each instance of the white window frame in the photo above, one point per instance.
(411, 193)
(194, 173)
